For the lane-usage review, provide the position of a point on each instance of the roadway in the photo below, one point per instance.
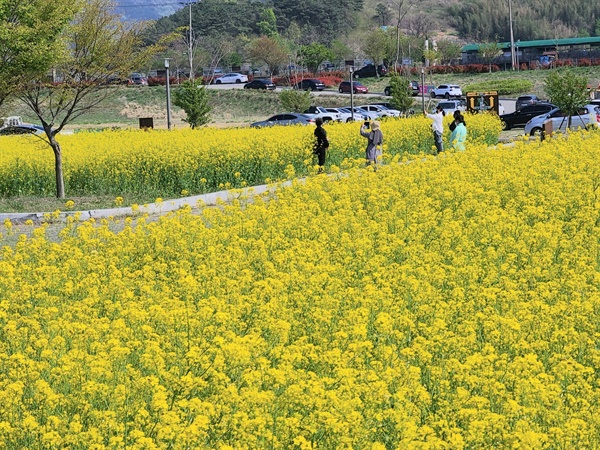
(507, 103)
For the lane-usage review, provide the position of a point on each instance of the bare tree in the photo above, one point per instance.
(420, 25)
(100, 48)
(214, 50)
(401, 7)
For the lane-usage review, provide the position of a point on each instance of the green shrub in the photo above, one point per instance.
(294, 100)
(503, 87)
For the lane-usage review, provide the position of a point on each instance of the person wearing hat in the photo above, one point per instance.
(372, 131)
(437, 127)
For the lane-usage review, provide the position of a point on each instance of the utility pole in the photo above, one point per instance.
(512, 38)
(191, 44)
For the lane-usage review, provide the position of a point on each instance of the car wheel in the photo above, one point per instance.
(246, 87)
(349, 119)
(432, 95)
(387, 92)
(218, 82)
(341, 91)
(447, 96)
(505, 126)
(238, 80)
(355, 91)
(537, 131)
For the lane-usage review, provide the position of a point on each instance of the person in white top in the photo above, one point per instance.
(437, 127)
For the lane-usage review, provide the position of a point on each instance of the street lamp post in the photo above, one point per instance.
(168, 95)
(517, 56)
(423, 89)
(352, 92)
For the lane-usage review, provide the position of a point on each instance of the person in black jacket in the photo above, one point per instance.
(321, 144)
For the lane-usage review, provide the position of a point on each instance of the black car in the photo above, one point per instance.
(310, 84)
(260, 83)
(520, 117)
(370, 71)
(413, 89)
(525, 100)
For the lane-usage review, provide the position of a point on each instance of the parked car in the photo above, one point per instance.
(413, 88)
(345, 115)
(525, 100)
(261, 83)
(449, 106)
(367, 115)
(521, 116)
(24, 128)
(356, 86)
(289, 118)
(310, 84)
(588, 115)
(229, 78)
(370, 71)
(381, 111)
(138, 79)
(323, 113)
(446, 91)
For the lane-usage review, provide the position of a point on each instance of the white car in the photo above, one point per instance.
(446, 91)
(346, 114)
(232, 78)
(381, 111)
(367, 115)
(449, 106)
(588, 115)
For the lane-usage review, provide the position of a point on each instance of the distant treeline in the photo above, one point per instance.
(488, 20)
(318, 21)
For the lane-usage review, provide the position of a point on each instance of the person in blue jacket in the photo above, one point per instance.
(459, 133)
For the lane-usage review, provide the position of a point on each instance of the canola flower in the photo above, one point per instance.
(166, 163)
(450, 303)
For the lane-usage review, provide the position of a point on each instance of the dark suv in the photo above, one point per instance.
(370, 71)
(524, 100)
(520, 117)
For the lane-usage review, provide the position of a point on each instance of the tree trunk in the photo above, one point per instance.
(58, 169)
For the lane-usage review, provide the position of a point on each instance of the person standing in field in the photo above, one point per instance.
(437, 127)
(372, 131)
(321, 144)
(459, 132)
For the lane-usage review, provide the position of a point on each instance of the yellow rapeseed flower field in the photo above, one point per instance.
(450, 303)
(165, 163)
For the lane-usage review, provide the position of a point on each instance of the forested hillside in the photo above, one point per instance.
(318, 21)
(486, 20)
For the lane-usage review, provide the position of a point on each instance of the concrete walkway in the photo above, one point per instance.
(166, 206)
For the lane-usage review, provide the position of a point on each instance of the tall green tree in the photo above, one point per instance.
(313, 55)
(29, 39)
(401, 95)
(192, 97)
(268, 23)
(98, 47)
(568, 91)
(376, 46)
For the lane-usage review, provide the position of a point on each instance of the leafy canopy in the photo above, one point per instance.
(193, 98)
(30, 39)
(567, 90)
